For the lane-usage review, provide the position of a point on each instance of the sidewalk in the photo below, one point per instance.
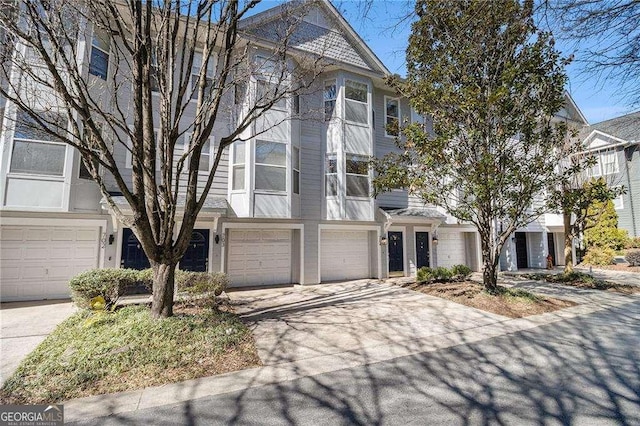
(104, 405)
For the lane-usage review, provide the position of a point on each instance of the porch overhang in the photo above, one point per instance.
(424, 215)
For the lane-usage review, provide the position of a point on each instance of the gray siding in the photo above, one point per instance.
(311, 162)
(629, 215)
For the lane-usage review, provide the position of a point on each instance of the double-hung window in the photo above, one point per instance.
(204, 165)
(271, 166)
(392, 116)
(618, 203)
(609, 161)
(237, 183)
(356, 102)
(357, 169)
(331, 175)
(100, 46)
(36, 151)
(195, 75)
(267, 92)
(329, 95)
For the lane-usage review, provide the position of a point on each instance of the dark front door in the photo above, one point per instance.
(133, 256)
(396, 255)
(552, 247)
(422, 249)
(195, 258)
(521, 250)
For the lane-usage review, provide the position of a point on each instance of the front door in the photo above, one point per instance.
(521, 250)
(133, 257)
(396, 255)
(422, 249)
(195, 258)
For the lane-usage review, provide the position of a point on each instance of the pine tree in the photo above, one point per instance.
(602, 227)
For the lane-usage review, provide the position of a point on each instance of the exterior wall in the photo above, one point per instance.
(629, 215)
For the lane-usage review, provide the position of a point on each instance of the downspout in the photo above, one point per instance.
(626, 164)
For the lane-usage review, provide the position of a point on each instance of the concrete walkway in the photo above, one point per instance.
(308, 331)
(24, 325)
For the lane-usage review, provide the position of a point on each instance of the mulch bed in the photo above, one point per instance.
(510, 302)
(622, 267)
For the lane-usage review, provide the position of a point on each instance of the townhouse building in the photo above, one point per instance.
(289, 205)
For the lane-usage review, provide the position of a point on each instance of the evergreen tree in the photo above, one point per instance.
(602, 227)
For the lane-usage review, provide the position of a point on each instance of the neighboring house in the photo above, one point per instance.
(291, 205)
(529, 246)
(614, 143)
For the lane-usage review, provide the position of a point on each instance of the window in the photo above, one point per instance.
(295, 177)
(330, 93)
(99, 62)
(357, 168)
(271, 166)
(609, 161)
(195, 75)
(331, 175)
(392, 116)
(238, 166)
(266, 92)
(356, 104)
(155, 70)
(35, 151)
(205, 155)
(84, 172)
(595, 169)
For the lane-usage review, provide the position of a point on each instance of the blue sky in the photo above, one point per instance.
(597, 99)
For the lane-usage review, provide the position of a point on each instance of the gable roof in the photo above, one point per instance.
(344, 44)
(626, 127)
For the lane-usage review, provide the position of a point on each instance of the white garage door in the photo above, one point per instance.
(344, 255)
(36, 262)
(259, 257)
(451, 248)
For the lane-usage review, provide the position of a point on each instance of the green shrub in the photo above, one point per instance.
(633, 243)
(633, 257)
(424, 274)
(442, 274)
(109, 283)
(196, 283)
(599, 256)
(461, 271)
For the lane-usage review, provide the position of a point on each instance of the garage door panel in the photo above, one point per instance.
(259, 257)
(344, 255)
(38, 261)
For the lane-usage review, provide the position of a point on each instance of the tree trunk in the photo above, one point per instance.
(568, 243)
(163, 283)
(490, 274)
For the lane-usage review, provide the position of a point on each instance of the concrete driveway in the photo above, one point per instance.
(24, 325)
(296, 323)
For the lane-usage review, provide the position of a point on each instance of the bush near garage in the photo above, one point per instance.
(109, 283)
(599, 256)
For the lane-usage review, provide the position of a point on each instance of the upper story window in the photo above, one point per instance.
(329, 95)
(195, 75)
(267, 92)
(392, 116)
(204, 164)
(357, 169)
(618, 203)
(331, 175)
(356, 102)
(295, 175)
(36, 151)
(271, 166)
(606, 163)
(100, 46)
(237, 179)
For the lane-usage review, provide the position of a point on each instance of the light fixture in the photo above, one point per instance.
(111, 238)
(435, 239)
(383, 241)
(217, 239)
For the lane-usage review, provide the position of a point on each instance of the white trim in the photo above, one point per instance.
(36, 221)
(260, 226)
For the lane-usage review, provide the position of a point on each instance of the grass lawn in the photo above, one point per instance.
(128, 350)
(510, 302)
(582, 280)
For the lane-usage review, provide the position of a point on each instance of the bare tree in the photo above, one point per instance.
(160, 75)
(606, 36)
